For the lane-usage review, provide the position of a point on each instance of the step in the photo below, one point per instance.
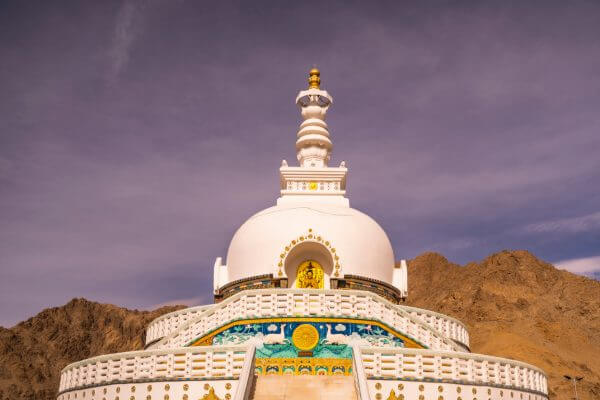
(304, 387)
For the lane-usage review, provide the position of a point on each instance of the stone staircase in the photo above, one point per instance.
(303, 387)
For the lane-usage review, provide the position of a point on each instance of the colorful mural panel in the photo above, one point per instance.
(305, 338)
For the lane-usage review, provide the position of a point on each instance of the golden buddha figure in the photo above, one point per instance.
(310, 275)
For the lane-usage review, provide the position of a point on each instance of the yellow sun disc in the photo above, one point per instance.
(305, 337)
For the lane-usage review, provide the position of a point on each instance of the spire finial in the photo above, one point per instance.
(313, 145)
(314, 80)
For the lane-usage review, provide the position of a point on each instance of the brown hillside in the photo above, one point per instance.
(519, 307)
(33, 352)
(515, 306)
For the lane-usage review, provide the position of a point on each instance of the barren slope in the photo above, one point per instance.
(33, 352)
(519, 307)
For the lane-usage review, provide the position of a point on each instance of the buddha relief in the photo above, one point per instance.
(310, 275)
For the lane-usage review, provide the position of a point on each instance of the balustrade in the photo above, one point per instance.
(296, 302)
(460, 367)
(189, 362)
(329, 303)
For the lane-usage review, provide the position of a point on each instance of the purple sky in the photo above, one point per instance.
(136, 136)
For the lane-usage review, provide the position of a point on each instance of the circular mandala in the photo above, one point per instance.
(305, 337)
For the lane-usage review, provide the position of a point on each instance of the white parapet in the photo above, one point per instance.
(448, 326)
(309, 185)
(265, 303)
(168, 323)
(246, 377)
(195, 364)
(227, 370)
(413, 372)
(360, 376)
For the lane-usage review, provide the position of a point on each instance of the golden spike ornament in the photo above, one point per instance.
(314, 79)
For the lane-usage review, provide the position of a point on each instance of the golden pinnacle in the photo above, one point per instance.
(314, 80)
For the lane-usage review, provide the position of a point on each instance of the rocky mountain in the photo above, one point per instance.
(520, 307)
(515, 306)
(33, 352)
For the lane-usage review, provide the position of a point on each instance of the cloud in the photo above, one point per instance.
(128, 27)
(584, 223)
(189, 301)
(584, 265)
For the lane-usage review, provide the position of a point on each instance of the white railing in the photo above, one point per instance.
(167, 323)
(454, 366)
(246, 379)
(360, 377)
(191, 362)
(307, 302)
(448, 326)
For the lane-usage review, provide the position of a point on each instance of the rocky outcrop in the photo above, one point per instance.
(33, 352)
(520, 307)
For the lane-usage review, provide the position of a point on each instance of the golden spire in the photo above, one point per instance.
(314, 81)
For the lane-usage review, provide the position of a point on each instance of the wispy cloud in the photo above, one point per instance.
(584, 223)
(584, 265)
(189, 301)
(128, 27)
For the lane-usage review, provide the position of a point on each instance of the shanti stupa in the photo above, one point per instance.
(308, 305)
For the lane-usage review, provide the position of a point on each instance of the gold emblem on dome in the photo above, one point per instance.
(305, 337)
(312, 186)
(310, 275)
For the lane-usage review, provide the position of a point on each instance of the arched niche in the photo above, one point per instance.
(304, 251)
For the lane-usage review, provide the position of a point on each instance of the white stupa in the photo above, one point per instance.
(308, 304)
(312, 219)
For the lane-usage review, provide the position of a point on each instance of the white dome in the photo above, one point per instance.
(276, 240)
